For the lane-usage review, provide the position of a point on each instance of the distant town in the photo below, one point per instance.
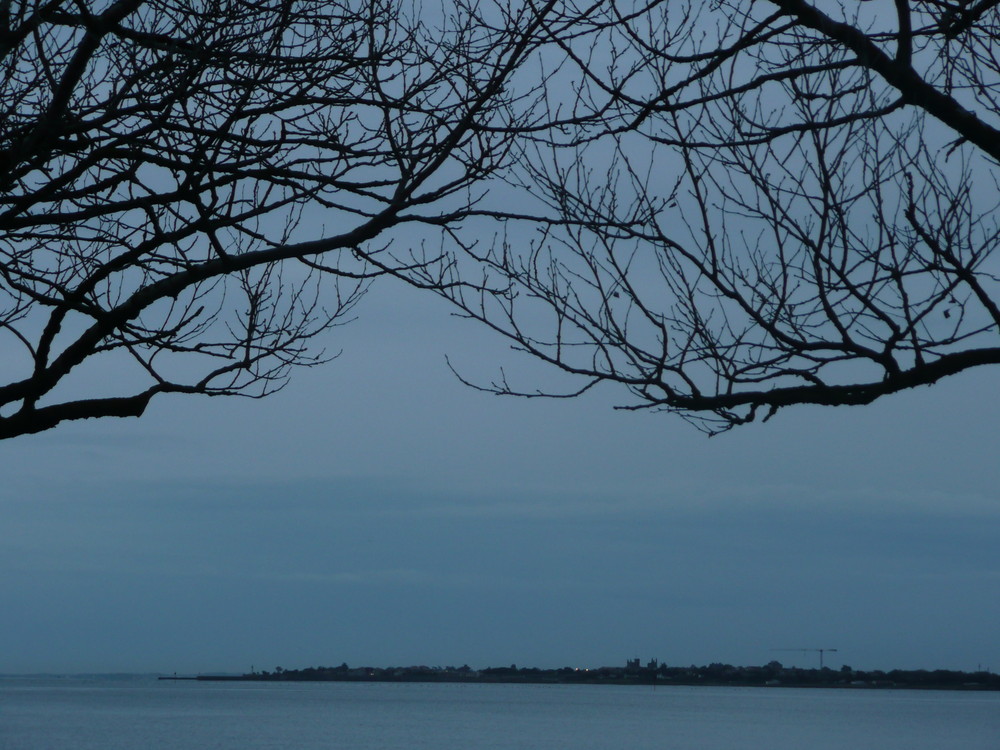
(634, 672)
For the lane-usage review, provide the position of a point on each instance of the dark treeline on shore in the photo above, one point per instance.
(773, 674)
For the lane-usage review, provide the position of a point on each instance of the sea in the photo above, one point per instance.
(143, 713)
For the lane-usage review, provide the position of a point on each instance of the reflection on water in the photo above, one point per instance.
(131, 714)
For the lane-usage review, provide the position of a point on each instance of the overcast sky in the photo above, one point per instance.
(378, 512)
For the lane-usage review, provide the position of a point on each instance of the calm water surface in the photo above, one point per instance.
(125, 715)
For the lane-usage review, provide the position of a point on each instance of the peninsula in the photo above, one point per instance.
(772, 674)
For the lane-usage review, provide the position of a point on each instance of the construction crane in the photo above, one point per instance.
(821, 651)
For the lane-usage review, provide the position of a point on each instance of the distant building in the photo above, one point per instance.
(633, 666)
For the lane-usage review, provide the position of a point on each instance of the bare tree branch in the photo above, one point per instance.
(167, 170)
(760, 205)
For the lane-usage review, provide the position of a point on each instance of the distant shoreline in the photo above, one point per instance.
(716, 675)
